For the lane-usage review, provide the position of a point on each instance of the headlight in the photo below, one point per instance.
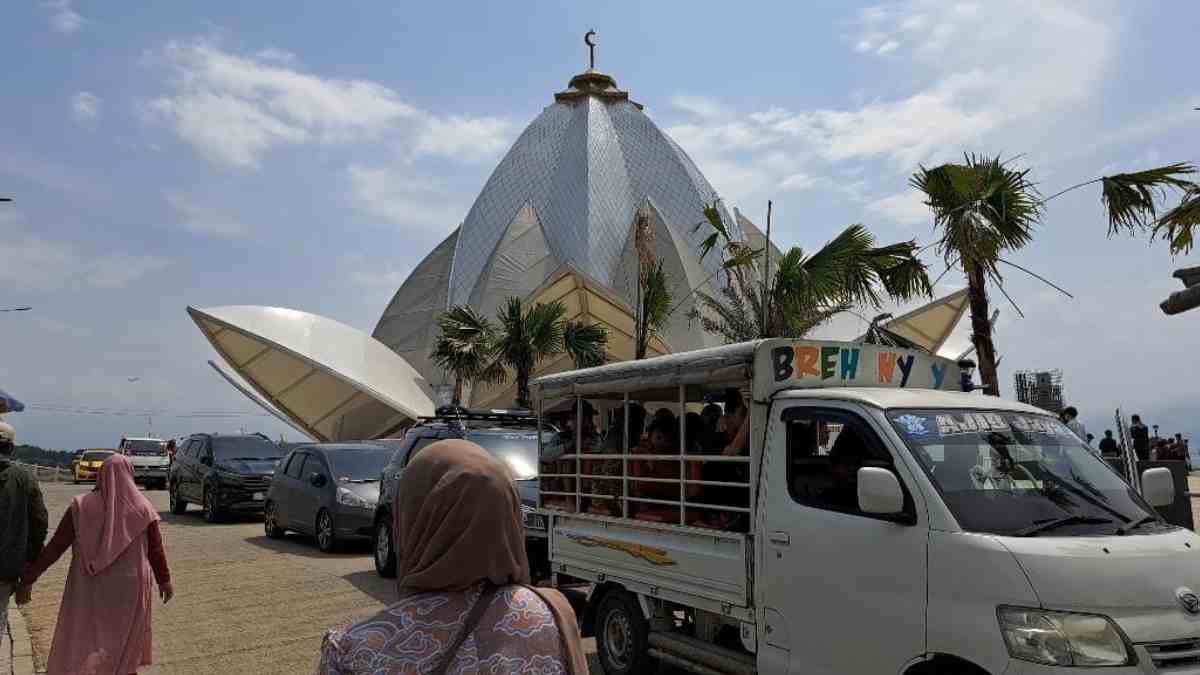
(1062, 638)
(349, 498)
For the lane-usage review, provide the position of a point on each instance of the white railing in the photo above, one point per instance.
(53, 474)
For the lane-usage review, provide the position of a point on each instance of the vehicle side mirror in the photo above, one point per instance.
(317, 479)
(206, 460)
(879, 492)
(1158, 486)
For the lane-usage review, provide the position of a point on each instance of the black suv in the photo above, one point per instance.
(223, 473)
(511, 436)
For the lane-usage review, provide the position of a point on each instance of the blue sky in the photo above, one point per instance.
(213, 154)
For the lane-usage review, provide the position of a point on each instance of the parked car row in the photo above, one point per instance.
(341, 492)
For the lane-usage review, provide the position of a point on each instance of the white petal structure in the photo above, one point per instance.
(333, 381)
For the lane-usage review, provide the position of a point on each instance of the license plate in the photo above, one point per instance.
(258, 496)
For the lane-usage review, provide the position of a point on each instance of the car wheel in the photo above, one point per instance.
(326, 541)
(271, 522)
(622, 635)
(212, 512)
(178, 505)
(385, 554)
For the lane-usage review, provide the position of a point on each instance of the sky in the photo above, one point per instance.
(224, 153)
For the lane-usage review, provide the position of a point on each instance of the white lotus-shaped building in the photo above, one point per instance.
(554, 222)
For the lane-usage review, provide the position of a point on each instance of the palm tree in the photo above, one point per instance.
(653, 292)
(465, 347)
(983, 209)
(804, 291)
(526, 336)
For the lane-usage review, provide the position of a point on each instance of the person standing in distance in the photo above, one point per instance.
(1140, 434)
(23, 524)
(1108, 444)
(1070, 417)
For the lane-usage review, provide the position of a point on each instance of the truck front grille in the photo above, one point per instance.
(1175, 655)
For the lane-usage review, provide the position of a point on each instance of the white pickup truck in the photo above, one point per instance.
(881, 521)
(149, 459)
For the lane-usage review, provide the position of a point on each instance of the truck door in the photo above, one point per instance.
(844, 590)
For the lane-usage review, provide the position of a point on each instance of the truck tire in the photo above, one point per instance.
(385, 549)
(622, 635)
(178, 504)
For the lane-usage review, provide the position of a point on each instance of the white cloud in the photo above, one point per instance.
(464, 138)
(904, 208)
(200, 218)
(85, 107)
(31, 262)
(985, 96)
(232, 109)
(798, 181)
(397, 197)
(63, 18)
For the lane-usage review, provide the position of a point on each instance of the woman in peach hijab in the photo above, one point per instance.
(104, 621)
(465, 605)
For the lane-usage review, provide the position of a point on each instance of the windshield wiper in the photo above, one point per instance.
(362, 480)
(1124, 530)
(1059, 522)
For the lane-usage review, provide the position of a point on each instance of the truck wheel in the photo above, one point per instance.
(622, 635)
(178, 505)
(385, 553)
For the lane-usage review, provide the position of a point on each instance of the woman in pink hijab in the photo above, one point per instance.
(104, 620)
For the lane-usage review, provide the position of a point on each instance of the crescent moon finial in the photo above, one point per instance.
(589, 40)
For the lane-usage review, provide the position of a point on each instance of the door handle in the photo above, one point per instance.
(780, 538)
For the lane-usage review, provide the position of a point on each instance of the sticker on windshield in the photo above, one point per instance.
(914, 425)
(1039, 425)
(970, 423)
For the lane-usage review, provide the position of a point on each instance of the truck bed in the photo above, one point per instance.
(699, 567)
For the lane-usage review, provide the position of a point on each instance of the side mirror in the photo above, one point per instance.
(1158, 486)
(206, 460)
(317, 479)
(879, 492)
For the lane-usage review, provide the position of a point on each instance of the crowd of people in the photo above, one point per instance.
(1147, 444)
(655, 442)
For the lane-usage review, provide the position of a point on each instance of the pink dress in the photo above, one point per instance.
(103, 623)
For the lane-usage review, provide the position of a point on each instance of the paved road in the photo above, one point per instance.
(243, 603)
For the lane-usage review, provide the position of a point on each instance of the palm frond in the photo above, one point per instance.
(544, 328)
(712, 218)
(585, 343)
(1178, 226)
(1129, 198)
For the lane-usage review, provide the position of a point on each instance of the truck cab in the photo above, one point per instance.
(149, 458)
(883, 521)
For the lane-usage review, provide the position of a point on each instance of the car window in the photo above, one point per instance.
(246, 447)
(144, 447)
(825, 450)
(95, 456)
(295, 466)
(358, 465)
(421, 443)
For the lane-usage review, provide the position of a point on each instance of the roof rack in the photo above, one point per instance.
(461, 414)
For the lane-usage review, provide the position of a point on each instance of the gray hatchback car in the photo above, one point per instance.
(328, 490)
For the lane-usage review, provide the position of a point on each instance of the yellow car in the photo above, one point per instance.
(87, 465)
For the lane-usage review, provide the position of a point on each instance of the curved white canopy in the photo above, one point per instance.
(333, 381)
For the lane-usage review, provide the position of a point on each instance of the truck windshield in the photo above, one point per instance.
(1018, 474)
(147, 447)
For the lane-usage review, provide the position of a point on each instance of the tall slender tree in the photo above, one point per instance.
(983, 209)
(653, 307)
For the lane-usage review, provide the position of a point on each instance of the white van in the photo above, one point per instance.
(882, 521)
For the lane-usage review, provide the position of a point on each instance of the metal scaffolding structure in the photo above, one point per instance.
(1041, 388)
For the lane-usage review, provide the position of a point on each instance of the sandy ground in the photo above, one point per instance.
(243, 603)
